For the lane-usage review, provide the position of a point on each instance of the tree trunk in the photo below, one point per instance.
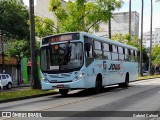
(150, 51)
(35, 82)
(130, 17)
(141, 51)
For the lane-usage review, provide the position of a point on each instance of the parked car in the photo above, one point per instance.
(6, 80)
(1, 86)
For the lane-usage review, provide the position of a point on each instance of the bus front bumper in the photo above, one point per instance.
(70, 85)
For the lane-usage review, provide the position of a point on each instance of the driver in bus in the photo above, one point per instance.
(67, 53)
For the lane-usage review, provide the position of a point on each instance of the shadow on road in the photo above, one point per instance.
(90, 92)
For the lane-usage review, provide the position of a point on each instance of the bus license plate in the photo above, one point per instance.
(60, 86)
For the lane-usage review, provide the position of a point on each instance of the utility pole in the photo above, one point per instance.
(130, 17)
(141, 52)
(150, 51)
(35, 83)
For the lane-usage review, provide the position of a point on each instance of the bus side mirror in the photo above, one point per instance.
(87, 47)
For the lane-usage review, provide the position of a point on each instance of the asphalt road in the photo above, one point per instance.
(112, 104)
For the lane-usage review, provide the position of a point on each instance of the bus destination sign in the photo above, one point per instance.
(60, 38)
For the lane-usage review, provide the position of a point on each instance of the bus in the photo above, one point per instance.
(79, 60)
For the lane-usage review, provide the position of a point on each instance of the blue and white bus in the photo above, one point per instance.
(80, 60)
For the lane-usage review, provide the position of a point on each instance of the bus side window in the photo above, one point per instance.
(115, 52)
(120, 51)
(88, 47)
(126, 54)
(88, 44)
(106, 52)
(97, 49)
(136, 56)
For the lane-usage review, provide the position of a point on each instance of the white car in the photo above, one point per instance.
(5, 81)
(1, 86)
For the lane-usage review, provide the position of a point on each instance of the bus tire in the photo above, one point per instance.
(63, 92)
(126, 83)
(98, 84)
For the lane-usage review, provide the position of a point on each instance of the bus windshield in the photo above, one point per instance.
(63, 56)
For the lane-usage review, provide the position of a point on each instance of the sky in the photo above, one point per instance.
(136, 6)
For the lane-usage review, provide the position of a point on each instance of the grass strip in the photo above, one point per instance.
(148, 77)
(22, 93)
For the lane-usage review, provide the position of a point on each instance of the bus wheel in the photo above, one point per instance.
(98, 86)
(126, 83)
(63, 91)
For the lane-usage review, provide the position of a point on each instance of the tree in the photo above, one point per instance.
(130, 17)
(132, 40)
(155, 51)
(150, 51)
(18, 49)
(141, 50)
(156, 56)
(13, 17)
(44, 27)
(82, 16)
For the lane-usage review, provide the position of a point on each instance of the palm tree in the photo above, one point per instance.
(130, 17)
(141, 53)
(150, 55)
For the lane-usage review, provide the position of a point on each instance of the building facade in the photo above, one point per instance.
(155, 38)
(120, 24)
(41, 9)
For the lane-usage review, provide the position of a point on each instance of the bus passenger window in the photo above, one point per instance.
(120, 51)
(106, 52)
(88, 50)
(88, 46)
(126, 54)
(97, 49)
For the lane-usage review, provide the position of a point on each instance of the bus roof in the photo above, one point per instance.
(100, 39)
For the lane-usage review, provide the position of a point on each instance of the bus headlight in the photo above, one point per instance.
(44, 79)
(79, 75)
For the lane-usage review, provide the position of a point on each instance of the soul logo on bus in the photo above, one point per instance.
(115, 67)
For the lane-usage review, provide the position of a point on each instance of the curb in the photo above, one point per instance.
(27, 97)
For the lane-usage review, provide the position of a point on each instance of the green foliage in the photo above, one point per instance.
(18, 48)
(82, 16)
(156, 54)
(44, 26)
(13, 18)
(132, 40)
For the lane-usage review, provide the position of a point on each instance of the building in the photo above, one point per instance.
(155, 38)
(120, 24)
(41, 9)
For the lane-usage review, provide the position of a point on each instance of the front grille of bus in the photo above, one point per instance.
(63, 75)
